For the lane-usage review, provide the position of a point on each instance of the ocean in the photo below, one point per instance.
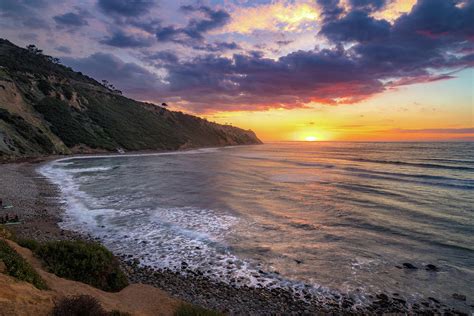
(328, 217)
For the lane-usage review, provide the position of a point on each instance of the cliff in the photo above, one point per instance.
(47, 108)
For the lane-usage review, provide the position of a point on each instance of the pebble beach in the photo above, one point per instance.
(38, 205)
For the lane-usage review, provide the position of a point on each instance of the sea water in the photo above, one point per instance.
(324, 216)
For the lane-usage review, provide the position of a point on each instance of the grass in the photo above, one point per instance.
(192, 310)
(85, 262)
(19, 268)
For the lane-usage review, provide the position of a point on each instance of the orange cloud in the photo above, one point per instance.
(395, 9)
(279, 16)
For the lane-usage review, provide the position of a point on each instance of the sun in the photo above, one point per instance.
(310, 139)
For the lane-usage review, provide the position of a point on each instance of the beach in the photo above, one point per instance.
(38, 204)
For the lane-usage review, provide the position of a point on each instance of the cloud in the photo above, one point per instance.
(368, 5)
(437, 131)
(125, 8)
(196, 27)
(255, 82)
(133, 79)
(63, 49)
(24, 12)
(356, 26)
(276, 16)
(217, 46)
(121, 39)
(71, 19)
(162, 57)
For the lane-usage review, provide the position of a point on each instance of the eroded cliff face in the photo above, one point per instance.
(47, 108)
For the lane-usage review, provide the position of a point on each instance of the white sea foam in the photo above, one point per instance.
(168, 153)
(164, 237)
(92, 169)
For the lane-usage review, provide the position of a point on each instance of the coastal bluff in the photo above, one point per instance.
(48, 109)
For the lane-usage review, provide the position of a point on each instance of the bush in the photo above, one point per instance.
(31, 244)
(72, 126)
(6, 233)
(44, 87)
(85, 262)
(19, 268)
(192, 310)
(82, 305)
(29, 132)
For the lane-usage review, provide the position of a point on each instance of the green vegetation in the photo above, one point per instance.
(82, 305)
(91, 114)
(81, 261)
(72, 126)
(192, 310)
(31, 244)
(44, 87)
(18, 267)
(36, 138)
(147, 130)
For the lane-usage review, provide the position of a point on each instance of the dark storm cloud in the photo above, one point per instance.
(125, 8)
(121, 39)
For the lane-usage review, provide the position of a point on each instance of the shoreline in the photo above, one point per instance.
(37, 201)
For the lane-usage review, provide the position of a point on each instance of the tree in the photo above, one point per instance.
(33, 49)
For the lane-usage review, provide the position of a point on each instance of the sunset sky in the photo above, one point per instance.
(289, 70)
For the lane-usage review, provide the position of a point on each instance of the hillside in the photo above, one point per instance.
(47, 108)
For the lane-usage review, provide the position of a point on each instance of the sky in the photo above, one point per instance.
(328, 70)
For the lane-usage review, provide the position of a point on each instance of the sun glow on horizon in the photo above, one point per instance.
(311, 138)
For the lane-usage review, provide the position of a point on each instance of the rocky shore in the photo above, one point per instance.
(37, 203)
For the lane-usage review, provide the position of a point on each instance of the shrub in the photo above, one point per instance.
(85, 262)
(31, 244)
(72, 126)
(68, 93)
(6, 233)
(192, 310)
(26, 130)
(44, 87)
(82, 305)
(18, 267)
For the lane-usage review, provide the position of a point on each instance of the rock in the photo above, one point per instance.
(382, 297)
(459, 297)
(298, 261)
(433, 299)
(409, 266)
(3, 267)
(431, 267)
